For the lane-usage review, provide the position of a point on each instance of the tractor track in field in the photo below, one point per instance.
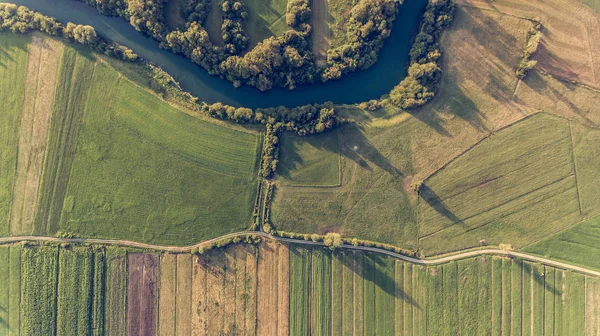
(424, 262)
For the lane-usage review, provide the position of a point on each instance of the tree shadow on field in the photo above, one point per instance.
(540, 279)
(373, 272)
(351, 143)
(434, 201)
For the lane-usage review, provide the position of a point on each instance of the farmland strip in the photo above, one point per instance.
(549, 299)
(385, 290)
(516, 297)
(251, 288)
(183, 305)
(409, 302)
(229, 276)
(299, 290)
(267, 289)
(348, 292)
(38, 290)
(14, 291)
(283, 295)
(359, 294)
(116, 291)
(167, 290)
(337, 293)
(369, 276)
(436, 294)
(497, 296)
(484, 299)
(538, 299)
(451, 312)
(506, 296)
(320, 299)
(198, 318)
(592, 307)
(399, 298)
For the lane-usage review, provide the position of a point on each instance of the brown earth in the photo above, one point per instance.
(283, 292)
(569, 47)
(141, 294)
(40, 84)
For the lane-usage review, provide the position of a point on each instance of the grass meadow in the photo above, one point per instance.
(120, 163)
(13, 66)
(515, 175)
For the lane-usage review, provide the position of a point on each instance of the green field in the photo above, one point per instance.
(515, 176)
(330, 293)
(311, 161)
(13, 65)
(374, 200)
(576, 245)
(265, 18)
(123, 164)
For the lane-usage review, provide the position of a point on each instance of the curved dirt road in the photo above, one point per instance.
(433, 261)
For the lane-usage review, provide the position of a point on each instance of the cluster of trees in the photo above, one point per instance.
(235, 37)
(424, 73)
(284, 61)
(224, 242)
(369, 25)
(23, 20)
(298, 15)
(196, 11)
(534, 36)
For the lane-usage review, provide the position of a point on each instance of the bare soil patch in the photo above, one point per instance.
(569, 46)
(142, 301)
(40, 84)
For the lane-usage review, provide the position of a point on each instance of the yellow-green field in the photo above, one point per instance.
(265, 18)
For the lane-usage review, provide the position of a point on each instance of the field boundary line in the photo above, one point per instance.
(423, 262)
(487, 136)
(579, 204)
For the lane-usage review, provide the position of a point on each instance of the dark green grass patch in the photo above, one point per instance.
(300, 268)
(309, 161)
(516, 187)
(574, 245)
(147, 171)
(38, 290)
(13, 67)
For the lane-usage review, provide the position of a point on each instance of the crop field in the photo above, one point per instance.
(312, 291)
(265, 18)
(13, 69)
(531, 172)
(374, 295)
(89, 153)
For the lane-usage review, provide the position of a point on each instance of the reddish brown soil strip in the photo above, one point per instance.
(40, 84)
(229, 273)
(141, 298)
(283, 294)
(166, 306)
(198, 316)
(183, 305)
(250, 289)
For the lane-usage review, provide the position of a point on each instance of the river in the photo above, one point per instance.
(353, 88)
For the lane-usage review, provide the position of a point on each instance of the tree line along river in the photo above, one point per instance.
(357, 87)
